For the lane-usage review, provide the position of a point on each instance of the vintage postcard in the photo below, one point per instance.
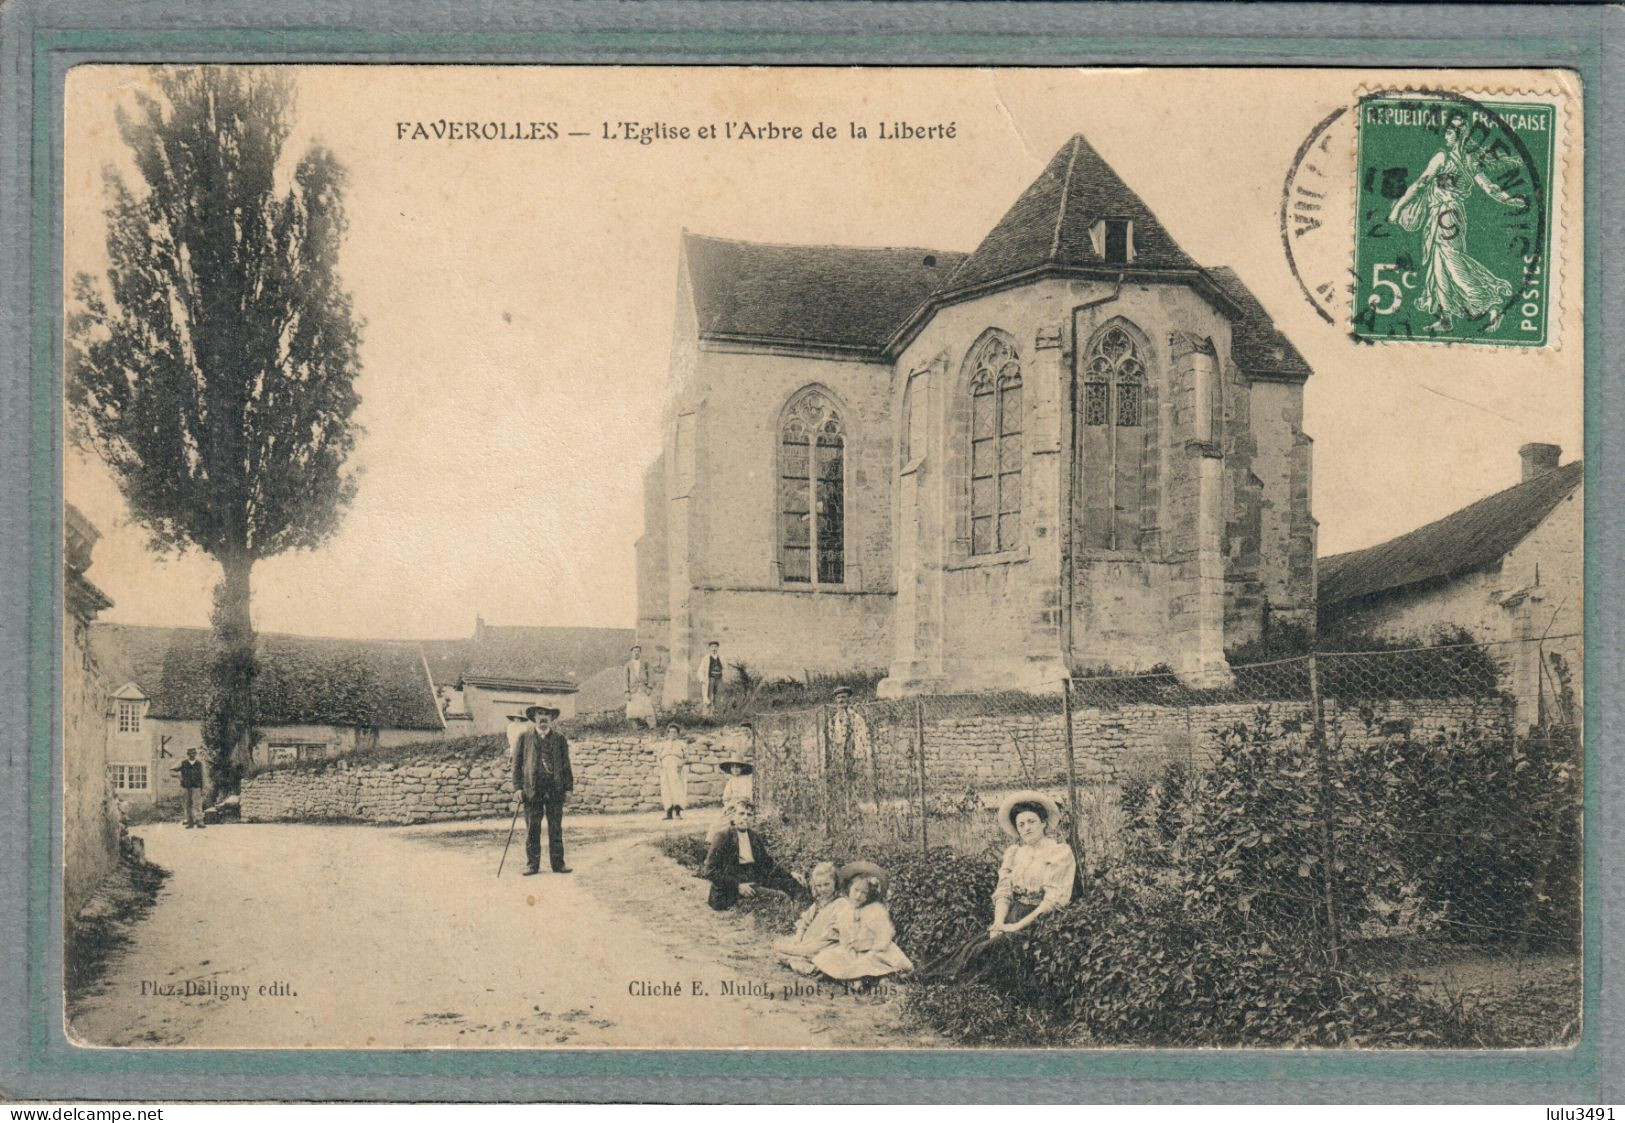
(822, 558)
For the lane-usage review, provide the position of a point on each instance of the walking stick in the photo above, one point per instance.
(511, 825)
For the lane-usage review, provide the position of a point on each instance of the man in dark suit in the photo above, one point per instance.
(191, 770)
(541, 777)
(738, 864)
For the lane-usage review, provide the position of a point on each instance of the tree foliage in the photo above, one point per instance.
(214, 371)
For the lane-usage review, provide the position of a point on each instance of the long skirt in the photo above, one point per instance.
(640, 707)
(973, 959)
(673, 782)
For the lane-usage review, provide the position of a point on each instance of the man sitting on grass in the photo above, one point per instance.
(738, 864)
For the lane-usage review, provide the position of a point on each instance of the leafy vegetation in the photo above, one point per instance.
(214, 371)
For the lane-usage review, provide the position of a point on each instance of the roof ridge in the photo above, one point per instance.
(1066, 190)
(1459, 511)
(817, 245)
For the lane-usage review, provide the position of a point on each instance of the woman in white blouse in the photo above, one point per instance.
(1035, 877)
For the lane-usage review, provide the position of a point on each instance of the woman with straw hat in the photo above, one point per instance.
(867, 949)
(1035, 878)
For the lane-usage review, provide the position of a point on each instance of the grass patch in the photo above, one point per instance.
(102, 927)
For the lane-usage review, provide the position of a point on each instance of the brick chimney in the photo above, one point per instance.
(1538, 459)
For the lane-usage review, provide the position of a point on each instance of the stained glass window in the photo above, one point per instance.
(812, 491)
(995, 448)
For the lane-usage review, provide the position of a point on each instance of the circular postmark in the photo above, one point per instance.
(1423, 214)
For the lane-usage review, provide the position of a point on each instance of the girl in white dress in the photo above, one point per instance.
(819, 926)
(867, 949)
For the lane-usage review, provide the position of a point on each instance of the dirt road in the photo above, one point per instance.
(290, 935)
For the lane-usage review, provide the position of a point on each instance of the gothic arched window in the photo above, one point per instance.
(1112, 437)
(812, 490)
(995, 447)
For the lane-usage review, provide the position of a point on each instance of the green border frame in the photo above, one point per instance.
(50, 1064)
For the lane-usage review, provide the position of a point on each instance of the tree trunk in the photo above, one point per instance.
(229, 722)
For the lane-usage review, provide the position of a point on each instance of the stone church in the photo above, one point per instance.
(1072, 448)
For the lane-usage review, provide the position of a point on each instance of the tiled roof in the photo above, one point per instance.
(1256, 345)
(1049, 224)
(302, 680)
(524, 654)
(843, 297)
(866, 301)
(1475, 537)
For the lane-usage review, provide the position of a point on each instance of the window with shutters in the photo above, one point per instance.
(996, 422)
(812, 490)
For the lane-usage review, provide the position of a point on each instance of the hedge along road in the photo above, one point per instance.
(329, 935)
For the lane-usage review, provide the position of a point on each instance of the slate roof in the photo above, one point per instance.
(1255, 343)
(851, 297)
(1474, 538)
(303, 680)
(1049, 224)
(866, 301)
(525, 654)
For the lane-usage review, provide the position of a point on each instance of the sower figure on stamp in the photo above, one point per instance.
(191, 770)
(709, 673)
(542, 777)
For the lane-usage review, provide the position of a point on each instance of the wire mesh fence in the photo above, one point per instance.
(1379, 803)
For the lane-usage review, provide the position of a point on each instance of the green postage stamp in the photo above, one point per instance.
(1453, 216)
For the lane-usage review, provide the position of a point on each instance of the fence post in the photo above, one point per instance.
(826, 765)
(1073, 810)
(1323, 768)
(919, 743)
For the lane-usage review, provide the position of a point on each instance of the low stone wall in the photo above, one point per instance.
(1111, 744)
(1010, 747)
(472, 778)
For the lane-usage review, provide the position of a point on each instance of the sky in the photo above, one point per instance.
(518, 299)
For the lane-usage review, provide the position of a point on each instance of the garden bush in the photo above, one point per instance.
(980, 1014)
(939, 900)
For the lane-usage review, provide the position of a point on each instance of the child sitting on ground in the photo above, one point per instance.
(819, 926)
(867, 949)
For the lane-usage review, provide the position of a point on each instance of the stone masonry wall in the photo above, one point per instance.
(1007, 749)
(473, 779)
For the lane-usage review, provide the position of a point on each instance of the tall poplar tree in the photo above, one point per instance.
(214, 370)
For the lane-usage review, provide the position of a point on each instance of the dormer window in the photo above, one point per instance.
(129, 704)
(1113, 240)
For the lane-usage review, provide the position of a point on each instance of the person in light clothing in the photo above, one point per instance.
(709, 673)
(639, 705)
(740, 788)
(867, 949)
(1036, 877)
(820, 925)
(672, 753)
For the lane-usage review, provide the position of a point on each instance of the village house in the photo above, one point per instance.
(92, 827)
(1073, 447)
(1509, 567)
(488, 679)
(316, 698)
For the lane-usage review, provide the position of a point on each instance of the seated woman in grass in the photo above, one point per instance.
(1035, 878)
(867, 949)
(819, 926)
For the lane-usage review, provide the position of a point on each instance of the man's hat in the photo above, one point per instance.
(736, 767)
(842, 692)
(1007, 817)
(713, 643)
(545, 711)
(867, 869)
